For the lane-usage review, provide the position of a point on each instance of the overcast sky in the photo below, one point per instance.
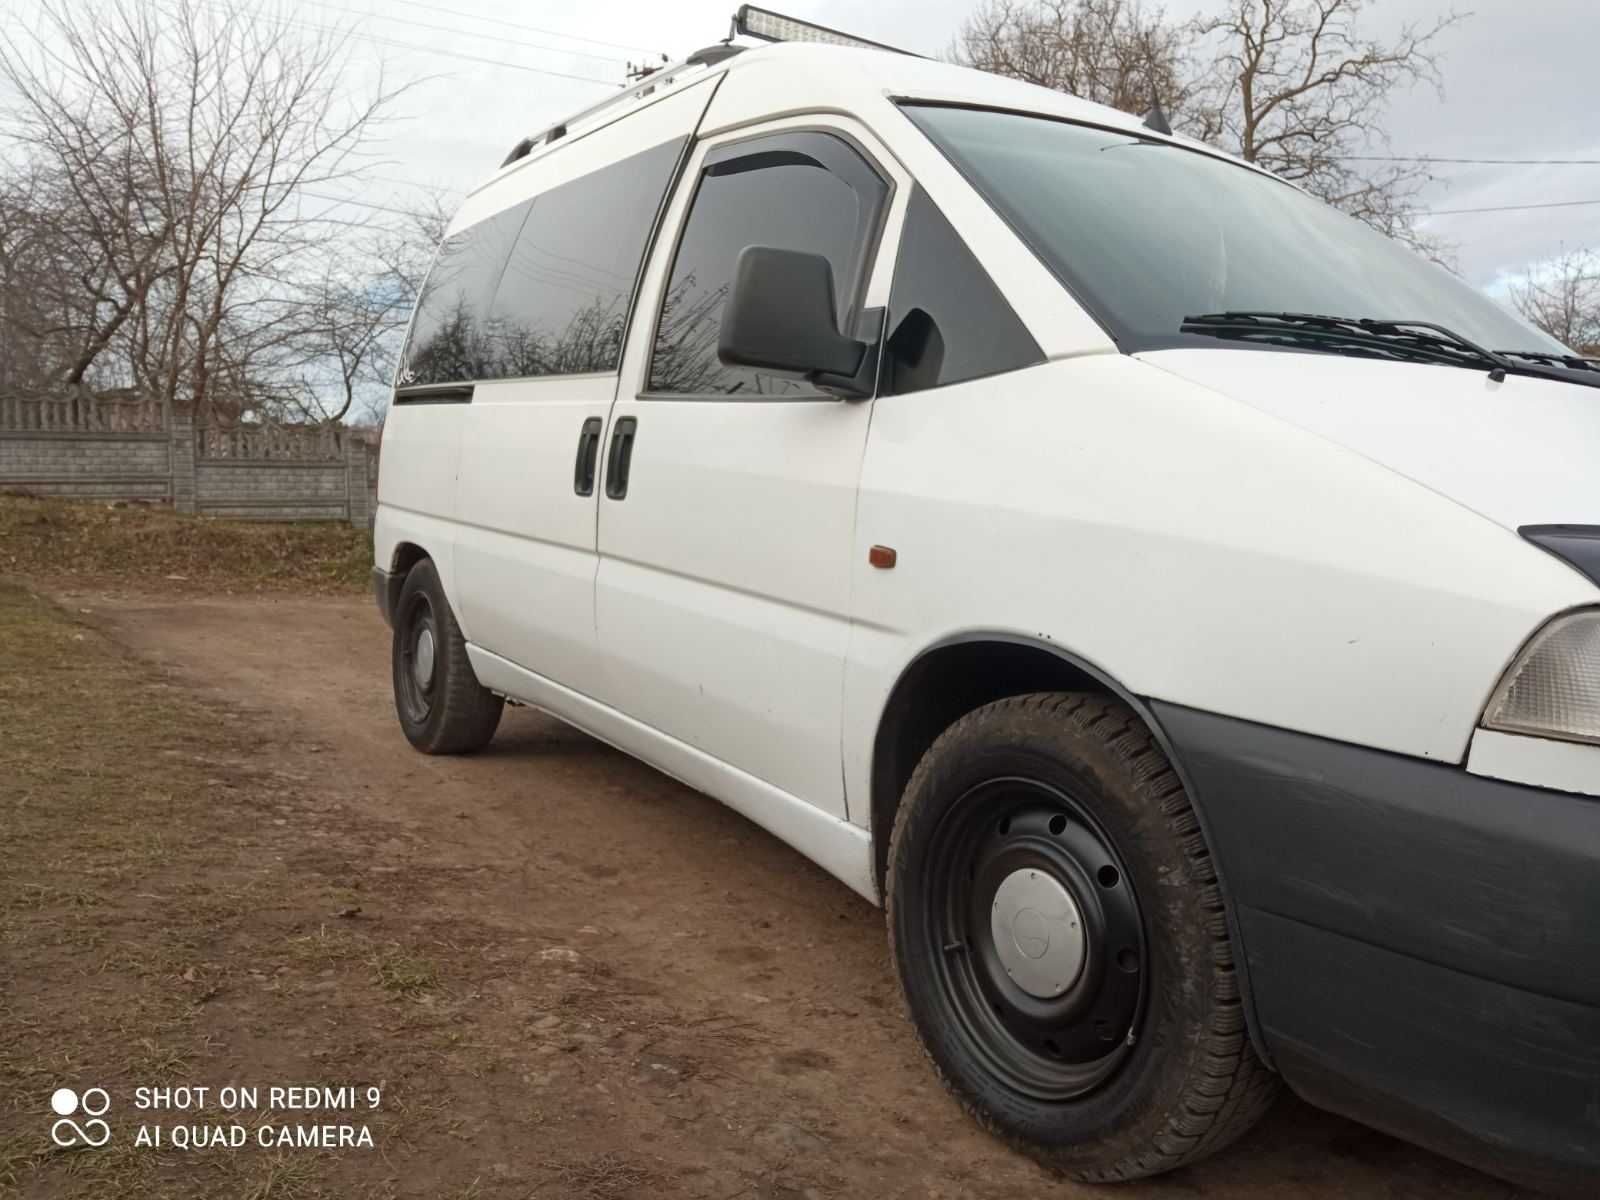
(1519, 83)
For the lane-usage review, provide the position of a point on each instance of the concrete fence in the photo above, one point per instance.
(126, 448)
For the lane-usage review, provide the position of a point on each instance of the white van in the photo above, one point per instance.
(946, 474)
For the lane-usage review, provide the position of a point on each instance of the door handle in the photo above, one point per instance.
(588, 457)
(619, 457)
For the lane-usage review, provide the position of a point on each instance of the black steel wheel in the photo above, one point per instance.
(1034, 931)
(1060, 937)
(442, 707)
(417, 631)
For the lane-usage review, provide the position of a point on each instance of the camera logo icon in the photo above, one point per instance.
(94, 1103)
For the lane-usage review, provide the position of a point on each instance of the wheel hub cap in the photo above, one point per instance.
(422, 661)
(1038, 933)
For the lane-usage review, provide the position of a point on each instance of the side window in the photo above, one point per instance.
(447, 343)
(794, 191)
(562, 307)
(947, 320)
(541, 288)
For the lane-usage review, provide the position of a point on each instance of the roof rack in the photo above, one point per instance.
(772, 26)
(659, 77)
(750, 21)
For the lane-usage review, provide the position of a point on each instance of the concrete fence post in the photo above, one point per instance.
(183, 465)
(355, 481)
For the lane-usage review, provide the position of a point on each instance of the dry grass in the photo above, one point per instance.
(149, 920)
(154, 548)
(605, 1176)
(169, 914)
(177, 906)
(404, 972)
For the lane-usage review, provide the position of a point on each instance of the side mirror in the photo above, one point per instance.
(779, 317)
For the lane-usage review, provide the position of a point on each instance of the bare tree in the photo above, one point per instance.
(79, 257)
(1297, 87)
(189, 140)
(1294, 85)
(396, 257)
(41, 308)
(403, 250)
(1114, 52)
(1562, 297)
(340, 337)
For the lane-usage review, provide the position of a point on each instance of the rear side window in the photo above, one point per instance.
(795, 191)
(447, 343)
(542, 288)
(562, 307)
(947, 320)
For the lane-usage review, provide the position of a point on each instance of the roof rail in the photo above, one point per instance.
(751, 21)
(663, 76)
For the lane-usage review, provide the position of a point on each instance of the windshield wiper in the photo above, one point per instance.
(1572, 362)
(1423, 341)
(1420, 339)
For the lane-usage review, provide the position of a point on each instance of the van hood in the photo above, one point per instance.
(1522, 452)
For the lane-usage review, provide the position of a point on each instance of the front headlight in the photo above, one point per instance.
(1553, 688)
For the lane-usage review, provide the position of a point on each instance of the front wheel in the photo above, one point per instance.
(442, 707)
(1059, 932)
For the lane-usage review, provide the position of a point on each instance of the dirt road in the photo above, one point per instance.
(730, 1015)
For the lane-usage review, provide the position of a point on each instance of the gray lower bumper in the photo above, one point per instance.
(1421, 943)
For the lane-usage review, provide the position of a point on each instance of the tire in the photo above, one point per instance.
(1131, 1060)
(442, 707)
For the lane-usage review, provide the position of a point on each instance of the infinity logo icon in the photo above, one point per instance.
(67, 1132)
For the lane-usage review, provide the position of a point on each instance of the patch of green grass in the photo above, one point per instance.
(404, 972)
(138, 545)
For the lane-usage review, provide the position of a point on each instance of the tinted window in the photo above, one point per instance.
(801, 191)
(947, 320)
(447, 342)
(1146, 233)
(542, 288)
(563, 301)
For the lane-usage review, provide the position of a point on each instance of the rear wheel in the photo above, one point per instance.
(441, 705)
(1059, 933)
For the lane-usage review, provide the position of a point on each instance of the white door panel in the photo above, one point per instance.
(722, 602)
(546, 348)
(525, 549)
(723, 599)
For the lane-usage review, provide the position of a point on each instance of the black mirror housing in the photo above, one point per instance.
(780, 317)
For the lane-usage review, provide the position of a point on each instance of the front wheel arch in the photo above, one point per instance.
(960, 674)
(1021, 1004)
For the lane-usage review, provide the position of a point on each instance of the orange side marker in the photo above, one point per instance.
(882, 557)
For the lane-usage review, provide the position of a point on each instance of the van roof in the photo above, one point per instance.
(836, 77)
(839, 75)
(811, 76)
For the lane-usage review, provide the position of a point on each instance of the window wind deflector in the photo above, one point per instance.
(760, 160)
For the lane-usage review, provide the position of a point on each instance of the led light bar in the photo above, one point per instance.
(775, 27)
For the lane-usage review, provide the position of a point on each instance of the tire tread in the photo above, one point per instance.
(1231, 1089)
(469, 713)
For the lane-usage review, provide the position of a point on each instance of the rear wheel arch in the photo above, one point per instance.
(961, 674)
(442, 707)
(405, 556)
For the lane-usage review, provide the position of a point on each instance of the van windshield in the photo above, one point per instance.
(1145, 233)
